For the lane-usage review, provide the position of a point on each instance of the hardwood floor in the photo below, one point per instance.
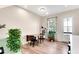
(46, 48)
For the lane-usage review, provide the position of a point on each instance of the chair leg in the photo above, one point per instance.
(30, 43)
(37, 43)
(33, 44)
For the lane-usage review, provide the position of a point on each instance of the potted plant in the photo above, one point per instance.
(51, 35)
(14, 42)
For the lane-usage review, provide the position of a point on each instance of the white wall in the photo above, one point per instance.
(15, 17)
(60, 16)
(75, 44)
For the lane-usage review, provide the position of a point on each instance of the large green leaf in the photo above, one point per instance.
(14, 42)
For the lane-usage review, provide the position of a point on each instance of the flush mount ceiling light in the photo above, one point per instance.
(43, 11)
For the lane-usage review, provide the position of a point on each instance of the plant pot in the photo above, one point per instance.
(51, 39)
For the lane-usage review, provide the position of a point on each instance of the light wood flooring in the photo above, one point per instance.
(46, 47)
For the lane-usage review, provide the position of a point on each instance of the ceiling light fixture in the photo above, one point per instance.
(43, 11)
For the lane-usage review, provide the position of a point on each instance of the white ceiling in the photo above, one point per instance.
(3, 6)
(51, 9)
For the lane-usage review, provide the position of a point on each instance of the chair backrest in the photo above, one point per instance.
(29, 37)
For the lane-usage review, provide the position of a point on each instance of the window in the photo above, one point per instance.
(52, 24)
(68, 25)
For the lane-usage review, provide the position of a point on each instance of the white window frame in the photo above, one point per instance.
(67, 25)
